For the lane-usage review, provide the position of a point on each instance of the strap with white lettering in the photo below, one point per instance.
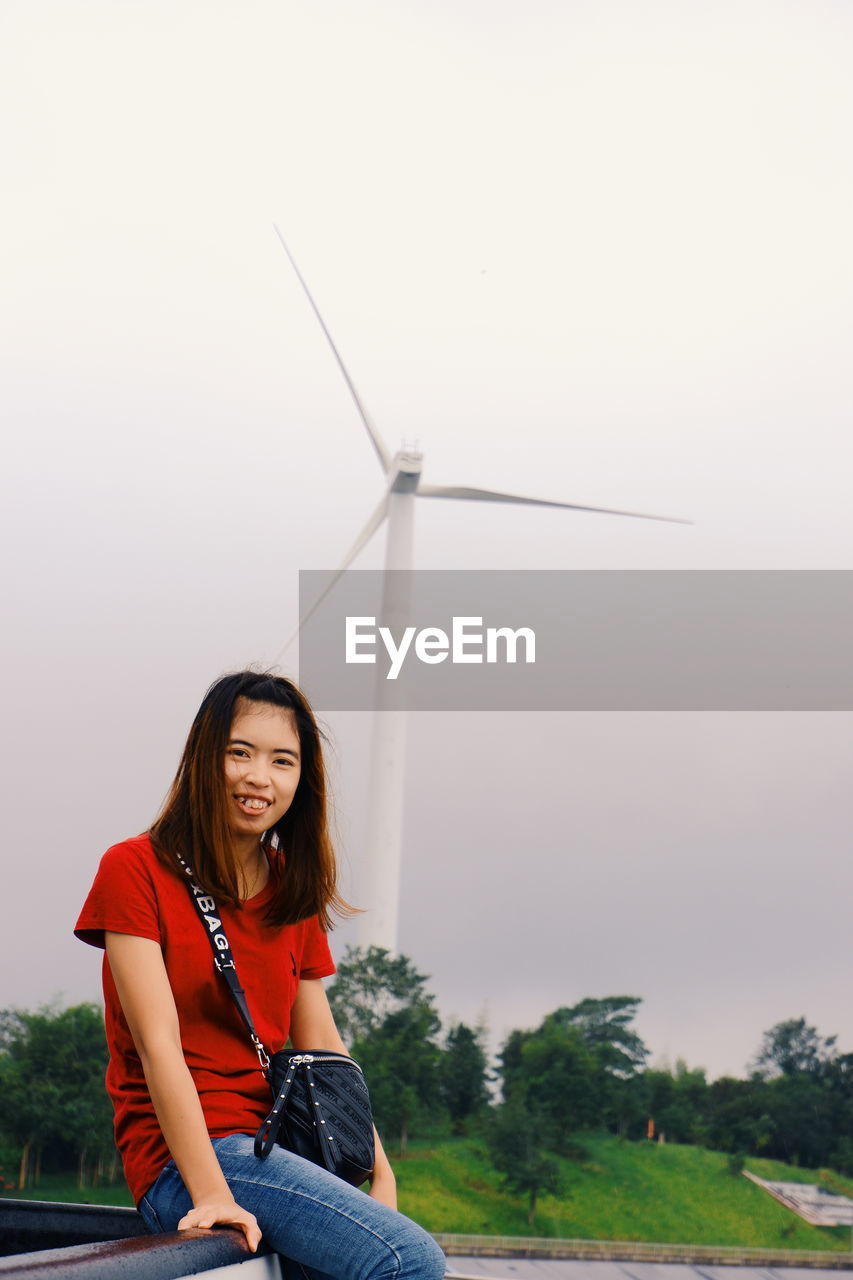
(223, 958)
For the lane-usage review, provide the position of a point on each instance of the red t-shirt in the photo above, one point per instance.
(134, 893)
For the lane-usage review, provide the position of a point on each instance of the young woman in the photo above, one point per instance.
(247, 812)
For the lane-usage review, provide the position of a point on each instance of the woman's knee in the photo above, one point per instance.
(418, 1257)
(432, 1263)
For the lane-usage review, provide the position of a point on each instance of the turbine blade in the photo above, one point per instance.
(491, 495)
(361, 541)
(382, 451)
(364, 537)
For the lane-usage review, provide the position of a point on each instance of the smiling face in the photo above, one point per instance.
(262, 768)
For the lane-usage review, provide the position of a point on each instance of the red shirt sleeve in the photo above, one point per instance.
(121, 900)
(316, 959)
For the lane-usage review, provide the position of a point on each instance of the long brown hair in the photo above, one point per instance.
(194, 817)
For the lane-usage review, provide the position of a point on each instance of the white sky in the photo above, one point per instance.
(593, 252)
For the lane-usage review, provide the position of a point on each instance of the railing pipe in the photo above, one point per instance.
(96, 1242)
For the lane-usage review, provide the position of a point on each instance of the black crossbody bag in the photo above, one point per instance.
(322, 1108)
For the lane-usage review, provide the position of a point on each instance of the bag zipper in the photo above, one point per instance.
(297, 1059)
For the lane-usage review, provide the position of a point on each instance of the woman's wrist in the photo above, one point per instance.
(217, 1192)
(383, 1184)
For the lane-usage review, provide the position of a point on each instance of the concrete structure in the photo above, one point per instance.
(812, 1202)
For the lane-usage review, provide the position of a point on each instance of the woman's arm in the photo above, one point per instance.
(149, 1007)
(312, 1026)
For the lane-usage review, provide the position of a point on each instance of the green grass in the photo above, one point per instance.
(621, 1191)
(63, 1187)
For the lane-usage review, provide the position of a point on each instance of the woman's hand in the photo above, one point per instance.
(223, 1213)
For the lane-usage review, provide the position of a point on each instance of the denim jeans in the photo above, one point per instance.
(307, 1215)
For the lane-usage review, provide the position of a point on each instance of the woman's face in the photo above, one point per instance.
(262, 766)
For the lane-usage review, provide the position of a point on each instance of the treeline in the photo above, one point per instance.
(583, 1068)
(795, 1105)
(588, 1066)
(54, 1111)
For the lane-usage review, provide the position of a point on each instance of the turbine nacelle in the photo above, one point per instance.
(405, 470)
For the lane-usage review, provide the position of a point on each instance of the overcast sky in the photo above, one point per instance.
(598, 253)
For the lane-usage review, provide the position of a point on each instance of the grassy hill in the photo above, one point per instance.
(621, 1191)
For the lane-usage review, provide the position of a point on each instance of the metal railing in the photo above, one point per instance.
(99, 1243)
(95, 1242)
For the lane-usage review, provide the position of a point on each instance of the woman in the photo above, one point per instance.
(247, 812)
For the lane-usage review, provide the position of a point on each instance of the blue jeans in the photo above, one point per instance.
(307, 1215)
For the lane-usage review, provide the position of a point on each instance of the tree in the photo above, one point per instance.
(677, 1101)
(52, 1064)
(551, 1074)
(462, 1075)
(369, 985)
(382, 1007)
(583, 1060)
(738, 1117)
(516, 1150)
(604, 1026)
(838, 1081)
(401, 1062)
(793, 1046)
(800, 1109)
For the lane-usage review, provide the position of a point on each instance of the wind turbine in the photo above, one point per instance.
(380, 880)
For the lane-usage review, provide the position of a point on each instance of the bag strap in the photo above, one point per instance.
(323, 1129)
(266, 1136)
(223, 959)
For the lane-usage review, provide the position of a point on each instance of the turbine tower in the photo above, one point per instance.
(380, 878)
